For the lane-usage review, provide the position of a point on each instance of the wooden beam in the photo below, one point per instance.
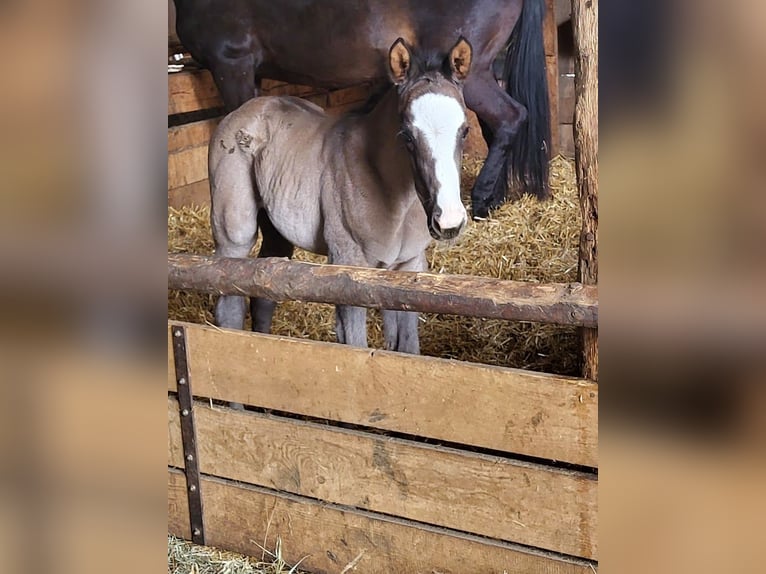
(551, 45)
(189, 91)
(507, 410)
(491, 496)
(190, 135)
(283, 280)
(328, 538)
(585, 26)
(187, 166)
(178, 505)
(197, 193)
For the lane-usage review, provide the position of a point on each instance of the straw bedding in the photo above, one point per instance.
(524, 240)
(187, 558)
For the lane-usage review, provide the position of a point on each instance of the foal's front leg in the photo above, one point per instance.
(233, 222)
(400, 328)
(350, 322)
(351, 325)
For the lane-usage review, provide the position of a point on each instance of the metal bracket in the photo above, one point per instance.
(188, 435)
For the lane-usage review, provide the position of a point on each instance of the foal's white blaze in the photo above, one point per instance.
(438, 118)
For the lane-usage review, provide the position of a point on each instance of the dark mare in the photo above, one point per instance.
(369, 188)
(336, 43)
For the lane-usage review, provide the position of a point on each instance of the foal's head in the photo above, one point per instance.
(433, 129)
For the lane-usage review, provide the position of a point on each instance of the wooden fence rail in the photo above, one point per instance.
(281, 280)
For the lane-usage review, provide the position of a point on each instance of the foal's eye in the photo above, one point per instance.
(465, 133)
(408, 141)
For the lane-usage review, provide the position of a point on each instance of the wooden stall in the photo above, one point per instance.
(392, 462)
(366, 460)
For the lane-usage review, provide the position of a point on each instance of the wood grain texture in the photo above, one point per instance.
(328, 538)
(178, 505)
(193, 134)
(551, 46)
(585, 27)
(530, 504)
(189, 91)
(503, 409)
(197, 193)
(175, 445)
(281, 280)
(566, 100)
(187, 166)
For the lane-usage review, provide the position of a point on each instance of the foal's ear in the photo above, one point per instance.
(460, 59)
(399, 61)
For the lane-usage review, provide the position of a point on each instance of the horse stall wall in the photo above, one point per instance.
(392, 462)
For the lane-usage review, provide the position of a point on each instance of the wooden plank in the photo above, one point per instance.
(282, 280)
(550, 43)
(492, 407)
(328, 538)
(175, 444)
(197, 193)
(566, 134)
(178, 505)
(189, 91)
(354, 94)
(284, 89)
(566, 99)
(530, 504)
(585, 26)
(187, 166)
(190, 135)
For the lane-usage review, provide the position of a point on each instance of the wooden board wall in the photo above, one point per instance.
(511, 410)
(327, 537)
(337, 492)
(531, 504)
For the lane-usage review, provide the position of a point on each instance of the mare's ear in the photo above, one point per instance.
(399, 61)
(460, 59)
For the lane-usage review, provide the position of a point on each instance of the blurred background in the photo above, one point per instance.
(82, 289)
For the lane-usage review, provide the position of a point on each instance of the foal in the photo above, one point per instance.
(366, 189)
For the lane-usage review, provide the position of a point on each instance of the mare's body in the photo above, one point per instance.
(333, 43)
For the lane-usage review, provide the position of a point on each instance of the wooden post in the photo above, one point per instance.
(551, 43)
(585, 27)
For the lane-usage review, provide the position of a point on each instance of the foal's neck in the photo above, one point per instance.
(384, 149)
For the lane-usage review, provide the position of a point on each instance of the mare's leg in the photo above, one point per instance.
(274, 245)
(400, 328)
(501, 185)
(503, 116)
(233, 221)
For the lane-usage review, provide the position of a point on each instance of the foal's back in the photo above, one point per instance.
(268, 154)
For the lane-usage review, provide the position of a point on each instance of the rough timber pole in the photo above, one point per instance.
(585, 26)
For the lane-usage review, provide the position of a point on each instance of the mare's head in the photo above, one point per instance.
(433, 130)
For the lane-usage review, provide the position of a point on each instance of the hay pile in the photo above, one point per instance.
(524, 240)
(187, 558)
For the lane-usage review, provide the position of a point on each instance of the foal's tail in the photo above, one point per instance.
(527, 83)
